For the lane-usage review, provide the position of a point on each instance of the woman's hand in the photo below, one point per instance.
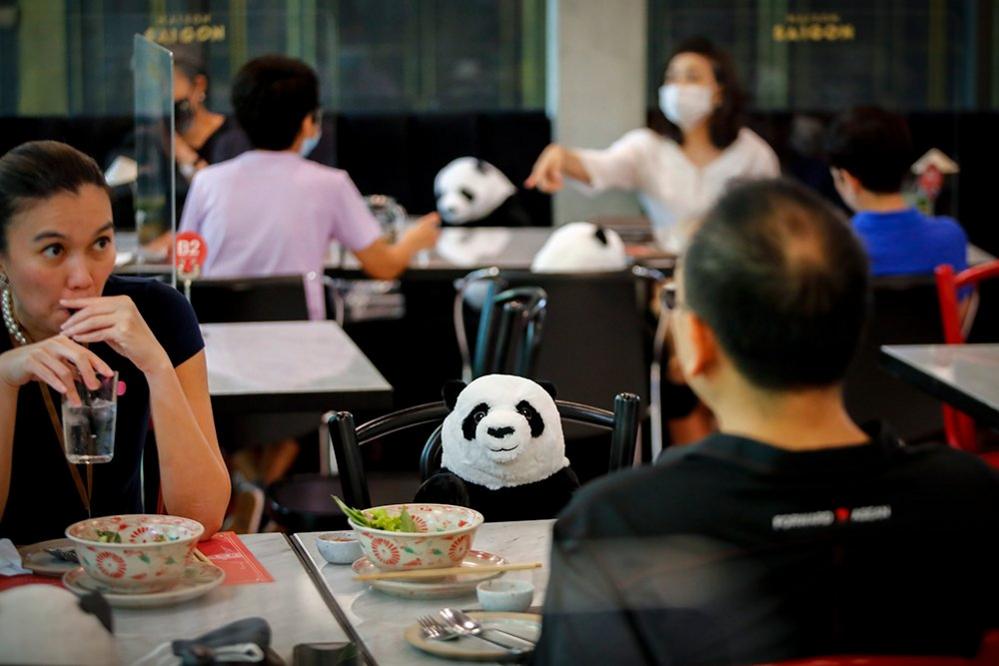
(424, 233)
(55, 361)
(116, 321)
(546, 175)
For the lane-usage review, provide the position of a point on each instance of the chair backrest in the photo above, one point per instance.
(346, 440)
(595, 332)
(950, 284)
(510, 320)
(510, 332)
(981, 323)
(276, 298)
(903, 312)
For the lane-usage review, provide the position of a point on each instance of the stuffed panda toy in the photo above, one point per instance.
(45, 624)
(503, 453)
(472, 192)
(580, 247)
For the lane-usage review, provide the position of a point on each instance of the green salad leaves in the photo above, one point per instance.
(379, 519)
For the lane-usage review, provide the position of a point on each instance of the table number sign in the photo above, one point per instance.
(190, 252)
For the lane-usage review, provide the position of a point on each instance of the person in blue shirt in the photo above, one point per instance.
(869, 151)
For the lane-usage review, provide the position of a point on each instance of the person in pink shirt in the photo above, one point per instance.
(270, 211)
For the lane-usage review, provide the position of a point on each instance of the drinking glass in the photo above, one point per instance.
(88, 429)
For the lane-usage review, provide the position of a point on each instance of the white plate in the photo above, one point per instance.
(198, 579)
(470, 648)
(35, 558)
(442, 587)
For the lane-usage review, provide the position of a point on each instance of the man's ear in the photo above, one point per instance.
(701, 345)
(450, 391)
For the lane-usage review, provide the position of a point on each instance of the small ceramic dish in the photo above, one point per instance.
(340, 547)
(505, 595)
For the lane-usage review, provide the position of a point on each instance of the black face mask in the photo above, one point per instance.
(183, 114)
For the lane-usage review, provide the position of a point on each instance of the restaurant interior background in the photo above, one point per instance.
(408, 85)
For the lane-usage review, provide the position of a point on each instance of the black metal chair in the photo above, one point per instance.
(904, 311)
(275, 298)
(346, 440)
(584, 312)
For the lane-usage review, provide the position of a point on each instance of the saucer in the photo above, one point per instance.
(469, 648)
(198, 579)
(35, 558)
(442, 587)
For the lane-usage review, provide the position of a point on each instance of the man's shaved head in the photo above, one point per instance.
(778, 275)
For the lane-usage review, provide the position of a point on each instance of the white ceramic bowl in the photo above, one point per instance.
(340, 547)
(145, 553)
(505, 594)
(445, 537)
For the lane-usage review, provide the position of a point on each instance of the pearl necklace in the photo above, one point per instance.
(8, 319)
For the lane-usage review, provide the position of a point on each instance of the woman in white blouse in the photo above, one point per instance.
(679, 175)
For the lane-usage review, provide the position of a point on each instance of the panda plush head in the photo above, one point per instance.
(580, 247)
(470, 189)
(502, 431)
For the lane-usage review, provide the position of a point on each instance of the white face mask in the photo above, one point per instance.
(310, 142)
(686, 104)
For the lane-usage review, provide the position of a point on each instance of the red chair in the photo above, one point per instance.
(988, 655)
(960, 428)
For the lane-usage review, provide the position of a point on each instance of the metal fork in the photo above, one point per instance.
(461, 620)
(451, 623)
(435, 630)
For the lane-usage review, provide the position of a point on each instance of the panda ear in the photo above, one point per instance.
(549, 388)
(450, 392)
(601, 235)
(481, 166)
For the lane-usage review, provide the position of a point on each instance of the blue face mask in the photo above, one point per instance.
(310, 143)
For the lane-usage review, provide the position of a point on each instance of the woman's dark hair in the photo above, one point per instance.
(37, 170)
(781, 279)
(190, 68)
(874, 145)
(271, 96)
(726, 120)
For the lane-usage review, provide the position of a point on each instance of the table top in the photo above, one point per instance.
(966, 376)
(297, 365)
(379, 619)
(462, 250)
(291, 605)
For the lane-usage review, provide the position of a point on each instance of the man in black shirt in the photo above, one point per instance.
(792, 532)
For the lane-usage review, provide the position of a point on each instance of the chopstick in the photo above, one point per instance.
(448, 571)
(198, 555)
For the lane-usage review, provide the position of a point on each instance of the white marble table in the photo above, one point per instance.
(291, 605)
(378, 620)
(299, 366)
(965, 376)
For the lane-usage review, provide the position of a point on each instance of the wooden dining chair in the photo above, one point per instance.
(346, 440)
(960, 428)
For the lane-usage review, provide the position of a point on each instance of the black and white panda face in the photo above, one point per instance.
(503, 431)
(469, 189)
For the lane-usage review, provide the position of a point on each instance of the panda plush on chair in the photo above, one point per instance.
(579, 247)
(473, 193)
(503, 453)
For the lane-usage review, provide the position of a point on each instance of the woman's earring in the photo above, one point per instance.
(4, 282)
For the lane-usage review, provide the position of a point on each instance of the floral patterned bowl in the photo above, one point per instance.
(445, 536)
(135, 553)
